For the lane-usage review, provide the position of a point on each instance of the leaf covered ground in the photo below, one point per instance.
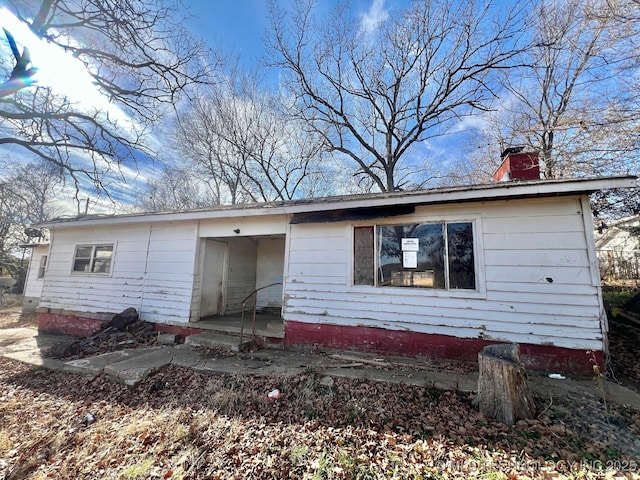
(182, 424)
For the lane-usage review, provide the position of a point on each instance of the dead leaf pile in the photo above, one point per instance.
(182, 424)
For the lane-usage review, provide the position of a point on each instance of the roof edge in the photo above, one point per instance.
(461, 194)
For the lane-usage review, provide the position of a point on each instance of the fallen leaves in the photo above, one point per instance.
(225, 426)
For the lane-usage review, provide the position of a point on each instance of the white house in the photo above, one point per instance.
(619, 250)
(438, 273)
(35, 276)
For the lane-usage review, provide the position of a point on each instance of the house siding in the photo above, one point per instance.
(152, 270)
(270, 267)
(33, 285)
(535, 284)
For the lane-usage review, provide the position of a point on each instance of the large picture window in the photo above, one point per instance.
(93, 258)
(419, 255)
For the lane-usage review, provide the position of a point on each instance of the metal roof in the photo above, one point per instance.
(434, 196)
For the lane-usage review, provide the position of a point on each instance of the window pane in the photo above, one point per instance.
(104, 251)
(81, 265)
(430, 256)
(461, 262)
(102, 261)
(43, 266)
(84, 252)
(363, 256)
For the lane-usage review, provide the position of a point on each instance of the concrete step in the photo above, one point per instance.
(217, 340)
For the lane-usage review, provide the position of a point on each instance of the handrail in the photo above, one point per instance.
(255, 304)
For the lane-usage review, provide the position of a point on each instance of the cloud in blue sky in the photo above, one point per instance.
(370, 20)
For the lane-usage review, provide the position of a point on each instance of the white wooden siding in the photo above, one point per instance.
(33, 285)
(241, 272)
(152, 269)
(535, 281)
(270, 268)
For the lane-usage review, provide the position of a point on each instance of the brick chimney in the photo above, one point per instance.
(517, 165)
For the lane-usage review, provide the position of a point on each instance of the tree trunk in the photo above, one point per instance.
(502, 384)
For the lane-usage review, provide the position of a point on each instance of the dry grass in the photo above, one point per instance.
(224, 426)
(11, 315)
(56, 425)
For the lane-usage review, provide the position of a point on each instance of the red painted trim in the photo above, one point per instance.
(400, 342)
(68, 324)
(176, 329)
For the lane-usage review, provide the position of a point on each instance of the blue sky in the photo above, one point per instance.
(231, 24)
(235, 27)
(239, 25)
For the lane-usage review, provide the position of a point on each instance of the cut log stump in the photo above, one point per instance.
(502, 384)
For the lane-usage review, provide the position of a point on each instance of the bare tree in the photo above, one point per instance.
(573, 99)
(241, 139)
(377, 91)
(177, 188)
(27, 196)
(138, 56)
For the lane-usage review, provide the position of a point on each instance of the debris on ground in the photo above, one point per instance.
(124, 330)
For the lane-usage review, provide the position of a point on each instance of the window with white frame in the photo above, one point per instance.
(438, 255)
(43, 266)
(93, 258)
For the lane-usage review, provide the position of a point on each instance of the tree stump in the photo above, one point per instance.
(502, 384)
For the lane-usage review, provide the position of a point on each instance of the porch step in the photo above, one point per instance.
(216, 340)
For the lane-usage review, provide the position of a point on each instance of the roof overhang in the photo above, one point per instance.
(368, 202)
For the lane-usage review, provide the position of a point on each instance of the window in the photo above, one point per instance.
(43, 266)
(426, 255)
(93, 258)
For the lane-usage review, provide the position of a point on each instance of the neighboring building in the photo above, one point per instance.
(618, 249)
(437, 273)
(35, 276)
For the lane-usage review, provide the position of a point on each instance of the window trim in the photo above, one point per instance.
(42, 266)
(93, 246)
(480, 292)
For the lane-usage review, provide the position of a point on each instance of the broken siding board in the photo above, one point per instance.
(594, 342)
(552, 298)
(522, 314)
(319, 281)
(517, 256)
(435, 306)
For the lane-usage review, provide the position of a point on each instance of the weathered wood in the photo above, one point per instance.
(357, 359)
(502, 384)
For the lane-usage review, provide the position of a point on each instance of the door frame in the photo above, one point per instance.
(223, 287)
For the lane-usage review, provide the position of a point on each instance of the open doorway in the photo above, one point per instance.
(239, 269)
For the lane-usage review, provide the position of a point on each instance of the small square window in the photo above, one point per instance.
(93, 258)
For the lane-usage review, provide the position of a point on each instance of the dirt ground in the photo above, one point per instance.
(183, 424)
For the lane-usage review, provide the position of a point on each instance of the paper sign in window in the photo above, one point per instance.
(410, 244)
(410, 259)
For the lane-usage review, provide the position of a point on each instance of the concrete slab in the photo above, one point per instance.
(186, 356)
(215, 340)
(166, 338)
(95, 365)
(131, 366)
(33, 357)
(135, 369)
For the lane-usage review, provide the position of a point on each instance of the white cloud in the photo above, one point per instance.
(377, 14)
